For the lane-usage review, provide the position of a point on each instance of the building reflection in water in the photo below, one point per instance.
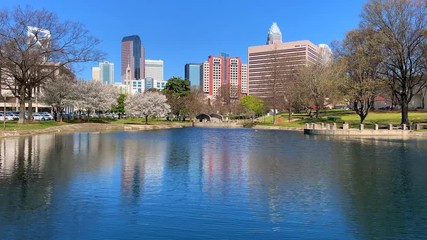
(223, 162)
(31, 166)
(273, 179)
(142, 166)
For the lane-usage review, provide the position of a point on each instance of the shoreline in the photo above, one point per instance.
(103, 127)
(87, 127)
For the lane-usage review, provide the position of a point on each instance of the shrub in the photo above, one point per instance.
(334, 119)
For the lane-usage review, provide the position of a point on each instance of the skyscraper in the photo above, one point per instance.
(95, 74)
(133, 55)
(274, 34)
(265, 60)
(106, 72)
(192, 73)
(224, 75)
(154, 69)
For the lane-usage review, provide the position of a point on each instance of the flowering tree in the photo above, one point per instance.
(148, 104)
(58, 92)
(93, 96)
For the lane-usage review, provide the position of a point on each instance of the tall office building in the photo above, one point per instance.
(154, 69)
(106, 72)
(274, 35)
(223, 75)
(193, 73)
(133, 55)
(95, 74)
(286, 55)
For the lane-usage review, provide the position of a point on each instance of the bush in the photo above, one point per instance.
(334, 119)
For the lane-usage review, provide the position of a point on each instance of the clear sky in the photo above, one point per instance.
(187, 31)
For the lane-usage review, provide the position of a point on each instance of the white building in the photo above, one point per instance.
(95, 74)
(154, 69)
(133, 86)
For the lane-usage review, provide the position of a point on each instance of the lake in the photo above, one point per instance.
(196, 183)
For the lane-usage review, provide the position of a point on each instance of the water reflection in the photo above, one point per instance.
(221, 183)
(142, 164)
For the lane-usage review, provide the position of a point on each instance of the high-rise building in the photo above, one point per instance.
(223, 75)
(95, 74)
(274, 35)
(262, 60)
(106, 72)
(193, 73)
(154, 69)
(133, 55)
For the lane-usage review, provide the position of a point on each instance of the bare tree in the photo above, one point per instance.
(35, 45)
(195, 102)
(362, 59)
(277, 79)
(285, 85)
(290, 89)
(148, 104)
(403, 25)
(319, 82)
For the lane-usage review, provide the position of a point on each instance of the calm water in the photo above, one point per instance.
(212, 184)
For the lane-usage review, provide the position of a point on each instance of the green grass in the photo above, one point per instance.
(13, 125)
(381, 118)
(36, 125)
(298, 120)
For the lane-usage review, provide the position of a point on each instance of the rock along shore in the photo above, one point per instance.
(87, 127)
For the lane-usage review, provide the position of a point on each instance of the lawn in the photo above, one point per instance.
(36, 125)
(339, 116)
(382, 118)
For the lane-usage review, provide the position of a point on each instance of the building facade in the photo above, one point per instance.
(133, 86)
(154, 69)
(265, 59)
(193, 73)
(133, 55)
(106, 72)
(95, 74)
(224, 76)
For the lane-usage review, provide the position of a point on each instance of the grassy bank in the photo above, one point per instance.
(37, 125)
(382, 118)
(339, 116)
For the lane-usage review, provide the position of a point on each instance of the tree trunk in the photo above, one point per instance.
(362, 117)
(21, 98)
(59, 112)
(405, 109)
(21, 112)
(274, 116)
(30, 110)
(317, 110)
(146, 120)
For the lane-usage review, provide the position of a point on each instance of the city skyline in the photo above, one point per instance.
(184, 32)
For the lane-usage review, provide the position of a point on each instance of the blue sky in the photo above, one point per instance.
(180, 32)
